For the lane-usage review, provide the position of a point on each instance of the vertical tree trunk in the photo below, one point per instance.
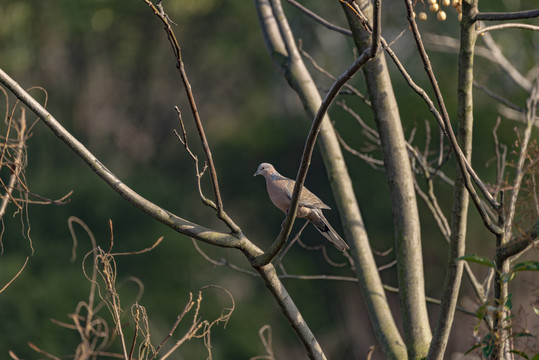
(285, 55)
(401, 187)
(460, 196)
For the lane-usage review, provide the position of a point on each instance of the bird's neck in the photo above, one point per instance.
(276, 176)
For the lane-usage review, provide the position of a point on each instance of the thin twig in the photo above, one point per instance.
(222, 262)
(148, 249)
(445, 124)
(320, 19)
(531, 106)
(180, 317)
(330, 76)
(510, 70)
(485, 29)
(16, 275)
(194, 110)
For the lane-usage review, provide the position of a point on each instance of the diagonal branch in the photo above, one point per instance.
(298, 77)
(505, 64)
(179, 224)
(319, 19)
(269, 255)
(443, 116)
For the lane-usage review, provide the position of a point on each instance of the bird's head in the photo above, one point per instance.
(265, 169)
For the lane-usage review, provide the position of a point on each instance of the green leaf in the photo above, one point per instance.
(536, 310)
(473, 348)
(488, 344)
(523, 334)
(509, 302)
(526, 266)
(478, 260)
(535, 357)
(481, 311)
(520, 353)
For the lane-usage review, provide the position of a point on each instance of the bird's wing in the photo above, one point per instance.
(320, 222)
(308, 199)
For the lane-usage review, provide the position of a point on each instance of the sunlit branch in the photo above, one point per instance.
(466, 169)
(181, 225)
(485, 29)
(159, 12)
(316, 123)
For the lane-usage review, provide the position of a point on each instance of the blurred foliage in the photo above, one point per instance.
(111, 80)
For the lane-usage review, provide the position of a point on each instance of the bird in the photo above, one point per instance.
(310, 207)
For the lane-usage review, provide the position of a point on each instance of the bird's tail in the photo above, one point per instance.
(321, 224)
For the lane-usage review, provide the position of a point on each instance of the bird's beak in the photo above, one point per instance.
(256, 173)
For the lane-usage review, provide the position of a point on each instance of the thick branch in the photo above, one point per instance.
(300, 80)
(518, 245)
(181, 225)
(453, 276)
(500, 16)
(313, 134)
(400, 181)
(291, 312)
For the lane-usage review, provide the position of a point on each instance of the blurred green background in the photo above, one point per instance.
(111, 80)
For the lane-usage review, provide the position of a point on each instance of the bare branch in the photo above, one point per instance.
(320, 19)
(159, 11)
(181, 225)
(352, 89)
(520, 244)
(376, 164)
(501, 16)
(483, 30)
(198, 173)
(443, 118)
(500, 59)
(16, 276)
(180, 317)
(315, 127)
(148, 249)
(530, 115)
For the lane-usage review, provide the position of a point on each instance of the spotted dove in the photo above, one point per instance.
(310, 206)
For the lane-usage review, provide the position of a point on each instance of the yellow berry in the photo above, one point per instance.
(455, 3)
(434, 7)
(446, 2)
(422, 15)
(441, 16)
(432, 2)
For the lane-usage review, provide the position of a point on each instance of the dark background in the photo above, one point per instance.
(111, 80)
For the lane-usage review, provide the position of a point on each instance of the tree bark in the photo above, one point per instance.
(283, 50)
(461, 197)
(401, 187)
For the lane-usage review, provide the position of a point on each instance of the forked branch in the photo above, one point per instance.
(158, 10)
(367, 55)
